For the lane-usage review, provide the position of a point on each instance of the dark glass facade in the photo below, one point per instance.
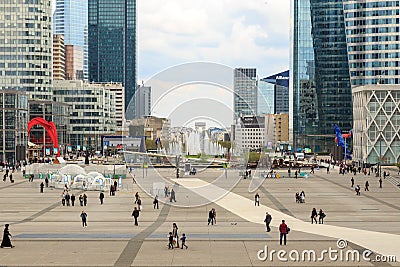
(321, 82)
(112, 46)
(281, 91)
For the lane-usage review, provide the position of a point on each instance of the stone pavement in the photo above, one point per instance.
(47, 234)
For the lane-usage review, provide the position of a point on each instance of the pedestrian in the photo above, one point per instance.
(183, 239)
(380, 182)
(289, 172)
(73, 199)
(67, 199)
(84, 199)
(295, 174)
(327, 170)
(63, 199)
(139, 204)
(84, 217)
(314, 216)
(6, 242)
(133, 178)
(4, 177)
(211, 217)
(135, 214)
(302, 197)
(111, 190)
(115, 186)
(268, 219)
(322, 215)
(46, 180)
(257, 200)
(11, 178)
(172, 196)
(170, 241)
(215, 216)
(136, 197)
(101, 197)
(155, 202)
(352, 182)
(366, 186)
(165, 191)
(175, 234)
(283, 231)
(80, 200)
(357, 188)
(41, 187)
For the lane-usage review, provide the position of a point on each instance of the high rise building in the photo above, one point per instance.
(321, 93)
(71, 20)
(58, 57)
(265, 101)
(143, 101)
(73, 63)
(280, 94)
(373, 41)
(112, 46)
(245, 92)
(25, 69)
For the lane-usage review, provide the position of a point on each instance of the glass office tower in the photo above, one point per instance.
(71, 20)
(112, 46)
(321, 82)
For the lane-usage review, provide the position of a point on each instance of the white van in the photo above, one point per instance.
(299, 156)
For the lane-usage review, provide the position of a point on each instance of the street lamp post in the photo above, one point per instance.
(380, 154)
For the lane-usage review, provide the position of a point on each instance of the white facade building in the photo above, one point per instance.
(143, 101)
(249, 134)
(376, 133)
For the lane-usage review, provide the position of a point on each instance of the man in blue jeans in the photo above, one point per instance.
(283, 230)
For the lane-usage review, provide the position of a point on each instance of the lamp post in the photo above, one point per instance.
(380, 154)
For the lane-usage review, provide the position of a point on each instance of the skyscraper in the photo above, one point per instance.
(71, 20)
(245, 91)
(143, 101)
(112, 46)
(373, 41)
(321, 82)
(280, 93)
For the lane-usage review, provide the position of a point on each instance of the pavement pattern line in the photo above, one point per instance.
(381, 243)
(276, 202)
(131, 250)
(11, 185)
(363, 195)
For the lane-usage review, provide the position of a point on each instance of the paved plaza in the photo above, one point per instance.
(45, 233)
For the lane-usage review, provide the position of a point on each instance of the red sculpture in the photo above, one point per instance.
(50, 129)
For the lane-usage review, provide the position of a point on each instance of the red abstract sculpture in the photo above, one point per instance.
(50, 129)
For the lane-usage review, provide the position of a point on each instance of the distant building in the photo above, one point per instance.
(249, 134)
(245, 92)
(73, 62)
(58, 57)
(280, 94)
(276, 130)
(92, 112)
(265, 101)
(153, 128)
(376, 123)
(143, 101)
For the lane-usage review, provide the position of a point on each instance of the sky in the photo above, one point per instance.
(228, 33)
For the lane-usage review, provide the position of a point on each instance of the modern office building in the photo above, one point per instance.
(276, 130)
(74, 69)
(26, 47)
(112, 46)
(249, 134)
(13, 125)
(143, 101)
(92, 111)
(373, 41)
(376, 133)
(71, 20)
(58, 57)
(119, 92)
(321, 92)
(245, 92)
(280, 94)
(265, 95)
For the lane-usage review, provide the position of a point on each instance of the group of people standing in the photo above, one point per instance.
(300, 197)
(314, 215)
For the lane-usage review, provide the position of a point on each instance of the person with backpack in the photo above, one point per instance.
(283, 231)
(322, 215)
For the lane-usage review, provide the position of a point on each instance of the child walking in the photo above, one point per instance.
(183, 239)
(170, 241)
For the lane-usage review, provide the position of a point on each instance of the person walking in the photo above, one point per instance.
(327, 170)
(172, 196)
(170, 241)
(183, 240)
(175, 234)
(314, 216)
(357, 188)
(135, 214)
(73, 199)
(67, 199)
(366, 186)
(101, 197)
(46, 180)
(322, 215)
(155, 202)
(80, 200)
(267, 220)
(295, 174)
(380, 182)
(41, 187)
(352, 182)
(139, 204)
(84, 199)
(84, 218)
(257, 200)
(136, 197)
(6, 242)
(283, 231)
(211, 217)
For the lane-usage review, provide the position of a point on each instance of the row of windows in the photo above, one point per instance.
(373, 47)
(364, 81)
(369, 22)
(26, 73)
(25, 57)
(373, 73)
(392, 55)
(373, 30)
(373, 13)
(375, 64)
(372, 39)
(372, 5)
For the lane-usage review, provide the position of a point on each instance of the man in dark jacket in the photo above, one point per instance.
(268, 219)
(101, 198)
(135, 215)
(283, 230)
